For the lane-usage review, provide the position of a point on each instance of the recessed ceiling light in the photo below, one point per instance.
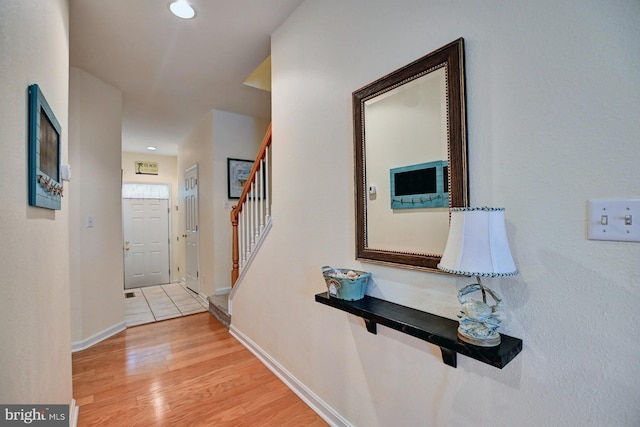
(182, 9)
(152, 148)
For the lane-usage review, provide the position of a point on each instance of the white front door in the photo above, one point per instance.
(146, 242)
(191, 227)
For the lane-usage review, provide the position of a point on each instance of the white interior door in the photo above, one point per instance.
(146, 242)
(191, 227)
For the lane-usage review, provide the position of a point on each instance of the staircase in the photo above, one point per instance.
(250, 222)
(251, 217)
(219, 308)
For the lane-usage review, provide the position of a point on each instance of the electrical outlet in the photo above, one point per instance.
(615, 220)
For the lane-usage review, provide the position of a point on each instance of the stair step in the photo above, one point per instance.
(219, 308)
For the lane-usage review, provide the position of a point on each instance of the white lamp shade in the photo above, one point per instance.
(477, 244)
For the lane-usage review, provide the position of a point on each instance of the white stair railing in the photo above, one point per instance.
(251, 217)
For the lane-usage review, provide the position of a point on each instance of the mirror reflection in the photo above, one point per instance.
(406, 128)
(410, 142)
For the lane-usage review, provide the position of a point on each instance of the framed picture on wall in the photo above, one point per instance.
(45, 183)
(238, 172)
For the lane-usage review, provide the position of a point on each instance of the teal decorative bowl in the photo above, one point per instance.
(346, 284)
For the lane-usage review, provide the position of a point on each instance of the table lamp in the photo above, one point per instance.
(477, 246)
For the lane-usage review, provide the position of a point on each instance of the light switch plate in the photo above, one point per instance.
(614, 219)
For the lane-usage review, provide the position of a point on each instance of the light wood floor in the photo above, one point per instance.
(187, 371)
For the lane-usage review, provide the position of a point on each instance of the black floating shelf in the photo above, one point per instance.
(428, 327)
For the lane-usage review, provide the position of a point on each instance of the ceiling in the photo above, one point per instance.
(172, 71)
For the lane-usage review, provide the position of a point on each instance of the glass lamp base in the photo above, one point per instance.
(492, 340)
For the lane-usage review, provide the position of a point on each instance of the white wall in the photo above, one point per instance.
(35, 354)
(552, 97)
(167, 174)
(97, 272)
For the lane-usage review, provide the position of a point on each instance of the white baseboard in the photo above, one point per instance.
(222, 291)
(310, 398)
(73, 414)
(203, 297)
(96, 338)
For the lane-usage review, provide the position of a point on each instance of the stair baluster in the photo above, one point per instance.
(252, 215)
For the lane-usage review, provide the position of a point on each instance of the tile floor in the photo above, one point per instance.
(154, 303)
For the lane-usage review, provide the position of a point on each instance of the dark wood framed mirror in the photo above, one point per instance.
(410, 160)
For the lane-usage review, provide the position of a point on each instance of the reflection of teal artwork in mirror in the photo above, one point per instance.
(45, 185)
(424, 185)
